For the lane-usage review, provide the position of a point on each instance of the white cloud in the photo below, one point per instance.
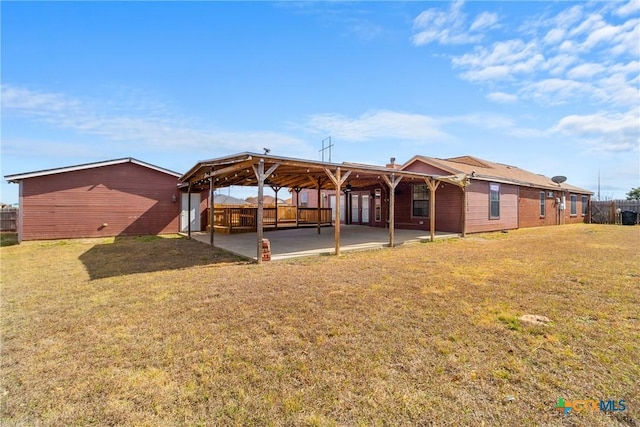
(450, 27)
(580, 54)
(584, 71)
(554, 36)
(23, 100)
(502, 98)
(378, 124)
(557, 91)
(153, 130)
(611, 131)
(503, 59)
(558, 64)
(483, 21)
(632, 6)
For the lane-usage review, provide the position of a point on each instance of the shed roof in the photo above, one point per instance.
(485, 170)
(19, 176)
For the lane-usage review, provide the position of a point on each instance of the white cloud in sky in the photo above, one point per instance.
(585, 54)
(628, 8)
(483, 21)
(154, 130)
(609, 131)
(502, 98)
(586, 70)
(450, 26)
(378, 124)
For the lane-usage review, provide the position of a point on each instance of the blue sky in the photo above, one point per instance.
(552, 87)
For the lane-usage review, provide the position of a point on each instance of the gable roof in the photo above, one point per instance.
(485, 170)
(17, 177)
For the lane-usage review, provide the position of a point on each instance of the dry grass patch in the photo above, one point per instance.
(102, 333)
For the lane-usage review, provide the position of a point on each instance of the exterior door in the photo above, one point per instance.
(195, 212)
(365, 209)
(332, 202)
(355, 209)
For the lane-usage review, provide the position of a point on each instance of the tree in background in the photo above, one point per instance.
(634, 194)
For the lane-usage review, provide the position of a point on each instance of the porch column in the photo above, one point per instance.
(189, 211)
(464, 211)
(433, 185)
(297, 190)
(337, 180)
(275, 189)
(261, 175)
(318, 210)
(211, 205)
(392, 182)
(259, 221)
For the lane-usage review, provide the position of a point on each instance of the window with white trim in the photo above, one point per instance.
(574, 205)
(494, 201)
(543, 198)
(585, 205)
(420, 200)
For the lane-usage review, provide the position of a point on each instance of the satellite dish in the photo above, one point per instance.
(559, 179)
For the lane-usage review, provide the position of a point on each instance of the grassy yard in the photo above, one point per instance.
(166, 331)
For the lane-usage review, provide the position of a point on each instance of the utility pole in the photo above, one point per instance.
(328, 147)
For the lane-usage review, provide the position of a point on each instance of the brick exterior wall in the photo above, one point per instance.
(529, 207)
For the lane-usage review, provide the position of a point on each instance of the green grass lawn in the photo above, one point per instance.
(167, 331)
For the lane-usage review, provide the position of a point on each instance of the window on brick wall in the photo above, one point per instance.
(574, 205)
(585, 205)
(542, 204)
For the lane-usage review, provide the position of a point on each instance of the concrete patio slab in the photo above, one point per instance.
(301, 242)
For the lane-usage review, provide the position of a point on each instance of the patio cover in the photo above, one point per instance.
(252, 169)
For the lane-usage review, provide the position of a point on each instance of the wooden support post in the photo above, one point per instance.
(261, 176)
(433, 185)
(275, 189)
(337, 180)
(189, 211)
(211, 205)
(392, 182)
(297, 190)
(336, 237)
(464, 211)
(260, 218)
(318, 211)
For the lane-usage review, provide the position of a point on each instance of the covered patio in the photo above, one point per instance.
(252, 169)
(302, 242)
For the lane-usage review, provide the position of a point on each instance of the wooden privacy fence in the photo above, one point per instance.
(9, 219)
(244, 219)
(606, 212)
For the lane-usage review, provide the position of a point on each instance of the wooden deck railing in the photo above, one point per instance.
(238, 219)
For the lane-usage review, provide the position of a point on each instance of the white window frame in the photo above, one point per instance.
(414, 200)
(494, 188)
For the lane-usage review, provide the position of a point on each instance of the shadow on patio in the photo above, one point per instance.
(144, 254)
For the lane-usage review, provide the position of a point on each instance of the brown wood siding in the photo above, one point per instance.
(477, 215)
(130, 199)
(449, 208)
(420, 167)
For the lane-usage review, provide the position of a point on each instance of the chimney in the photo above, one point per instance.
(392, 163)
